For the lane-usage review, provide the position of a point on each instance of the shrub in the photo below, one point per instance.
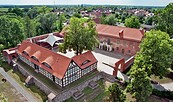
(163, 94)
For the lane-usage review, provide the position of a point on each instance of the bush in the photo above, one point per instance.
(163, 94)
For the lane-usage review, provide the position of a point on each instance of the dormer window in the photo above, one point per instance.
(35, 58)
(47, 65)
(85, 62)
(24, 52)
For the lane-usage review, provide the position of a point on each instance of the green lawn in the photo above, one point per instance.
(161, 81)
(4, 9)
(87, 90)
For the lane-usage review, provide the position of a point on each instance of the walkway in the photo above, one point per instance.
(19, 88)
(162, 87)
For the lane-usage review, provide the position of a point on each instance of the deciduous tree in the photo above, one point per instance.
(29, 27)
(116, 94)
(80, 36)
(156, 51)
(11, 30)
(140, 85)
(132, 22)
(165, 19)
(46, 23)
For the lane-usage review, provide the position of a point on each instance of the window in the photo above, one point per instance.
(47, 65)
(34, 58)
(85, 62)
(24, 52)
(129, 51)
(117, 48)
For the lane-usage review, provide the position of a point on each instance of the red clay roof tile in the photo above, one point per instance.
(58, 66)
(87, 56)
(113, 31)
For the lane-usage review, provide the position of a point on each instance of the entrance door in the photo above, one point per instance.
(36, 67)
(123, 51)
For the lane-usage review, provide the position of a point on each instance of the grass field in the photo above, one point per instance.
(4, 9)
(161, 81)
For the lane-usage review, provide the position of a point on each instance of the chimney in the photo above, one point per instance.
(121, 33)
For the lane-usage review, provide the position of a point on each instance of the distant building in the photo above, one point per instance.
(140, 13)
(119, 39)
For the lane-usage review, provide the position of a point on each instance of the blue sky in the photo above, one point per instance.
(68, 2)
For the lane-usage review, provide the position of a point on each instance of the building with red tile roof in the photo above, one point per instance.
(58, 68)
(119, 39)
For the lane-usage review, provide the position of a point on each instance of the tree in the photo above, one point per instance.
(115, 93)
(17, 11)
(149, 21)
(165, 20)
(46, 23)
(80, 37)
(44, 9)
(17, 31)
(60, 22)
(140, 85)
(132, 22)
(110, 20)
(77, 15)
(33, 12)
(11, 30)
(29, 27)
(156, 51)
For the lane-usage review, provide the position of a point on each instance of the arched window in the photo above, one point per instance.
(47, 65)
(24, 52)
(33, 57)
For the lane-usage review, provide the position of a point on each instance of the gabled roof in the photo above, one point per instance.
(58, 63)
(113, 31)
(84, 60)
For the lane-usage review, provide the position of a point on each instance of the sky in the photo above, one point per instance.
(94, 2)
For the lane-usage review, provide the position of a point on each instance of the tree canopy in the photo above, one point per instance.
(80, 36)
(110, 20)
(115, 93)
(11, 30)
(46, 23)
(155, 54)
(29, 27)
(132, 22)
(140, 85)
(165, 19)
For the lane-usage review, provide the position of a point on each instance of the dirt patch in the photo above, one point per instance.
(10, 92)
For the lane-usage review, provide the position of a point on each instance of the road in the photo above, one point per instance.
(18, 87)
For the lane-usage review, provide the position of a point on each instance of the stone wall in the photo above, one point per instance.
(38, 83)
(68, 93)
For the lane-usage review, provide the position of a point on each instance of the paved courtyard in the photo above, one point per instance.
(109, 58)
